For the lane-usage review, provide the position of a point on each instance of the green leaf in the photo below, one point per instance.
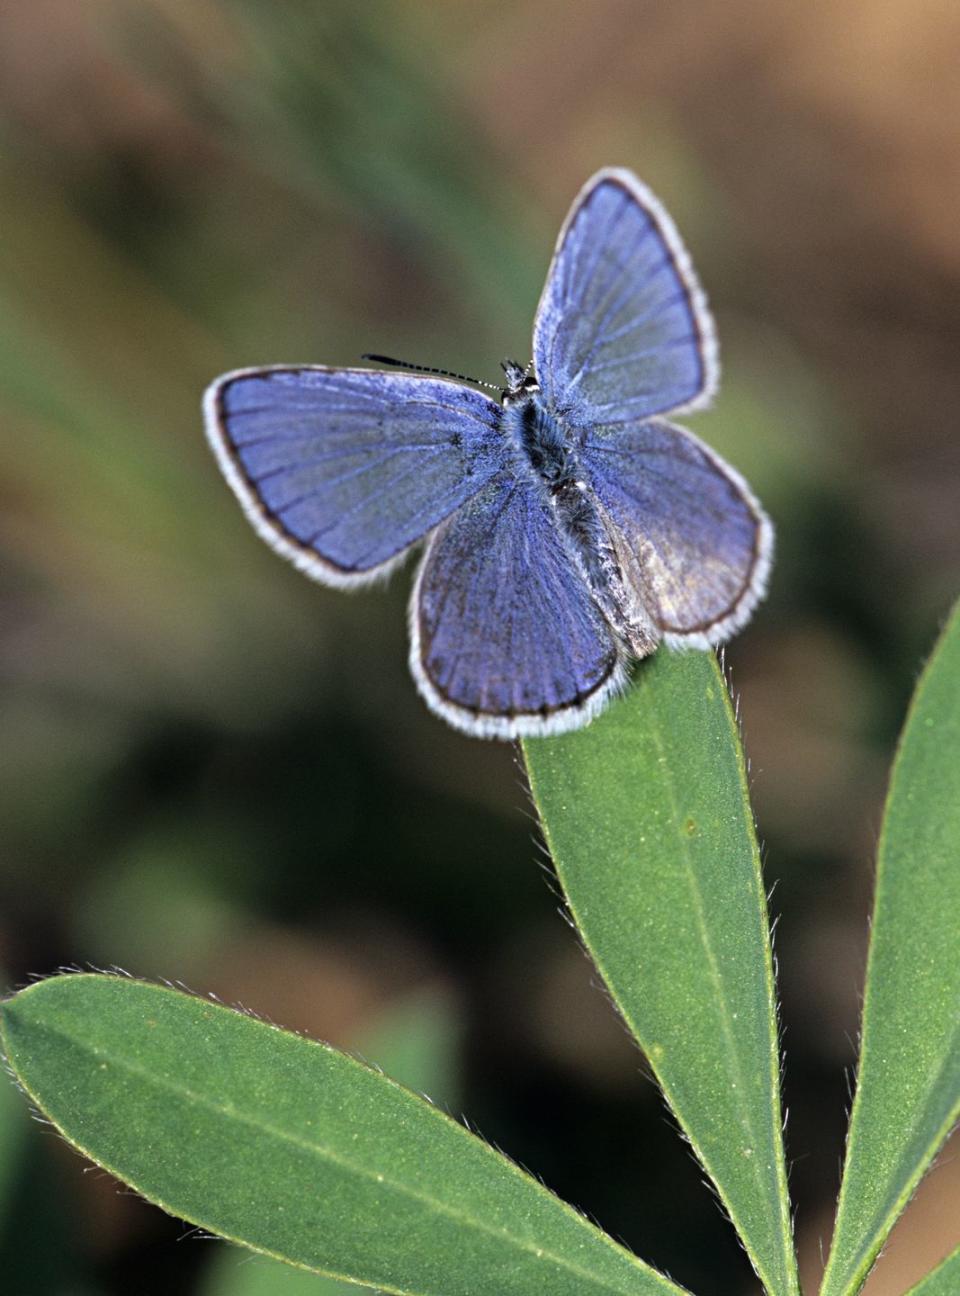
(942, 1281)
(415, 1043)
(908, 1090)
(295, 1149)
(38, 1253)
(647, 817)
(13, 1125)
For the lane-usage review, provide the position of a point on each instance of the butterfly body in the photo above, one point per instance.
(569, 527)
(546, 452)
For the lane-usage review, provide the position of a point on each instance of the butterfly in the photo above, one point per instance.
(569, 526)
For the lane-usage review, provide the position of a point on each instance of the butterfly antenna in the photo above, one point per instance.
(418, 368)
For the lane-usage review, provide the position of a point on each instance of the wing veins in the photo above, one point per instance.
(331, 455)
(695, 496)
(620, 301)
(605, 365)
(474, 577)
(612, 222)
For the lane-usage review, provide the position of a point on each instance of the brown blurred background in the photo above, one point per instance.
(213, 770)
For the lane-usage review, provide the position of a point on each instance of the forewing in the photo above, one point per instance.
(505, 638)
(700, 544)
(622, 330)
(341, 470)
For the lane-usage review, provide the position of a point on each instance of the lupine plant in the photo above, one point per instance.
(306, 1154)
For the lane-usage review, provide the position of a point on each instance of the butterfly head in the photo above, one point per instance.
(521, 382)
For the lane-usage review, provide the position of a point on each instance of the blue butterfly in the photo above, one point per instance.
(569, 527)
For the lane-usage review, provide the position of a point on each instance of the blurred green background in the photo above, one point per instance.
(215, 771)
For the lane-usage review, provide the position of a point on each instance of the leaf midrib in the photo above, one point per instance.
(862, 1259)
(539, 1252)
(725, 1014)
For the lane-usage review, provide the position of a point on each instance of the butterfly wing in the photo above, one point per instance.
(698, 546)
(505, 638)
(342, 470)
(622, 329)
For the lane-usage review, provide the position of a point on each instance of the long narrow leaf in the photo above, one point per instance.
(295, 1149)
(647, 818)
(416, 1044)
(908, 1091)
(943, 1281)
(12, 1129)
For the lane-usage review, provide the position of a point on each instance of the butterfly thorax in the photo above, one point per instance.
(541, 444)
(539, 441)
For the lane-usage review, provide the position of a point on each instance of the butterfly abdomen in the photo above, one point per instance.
(586, 530)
